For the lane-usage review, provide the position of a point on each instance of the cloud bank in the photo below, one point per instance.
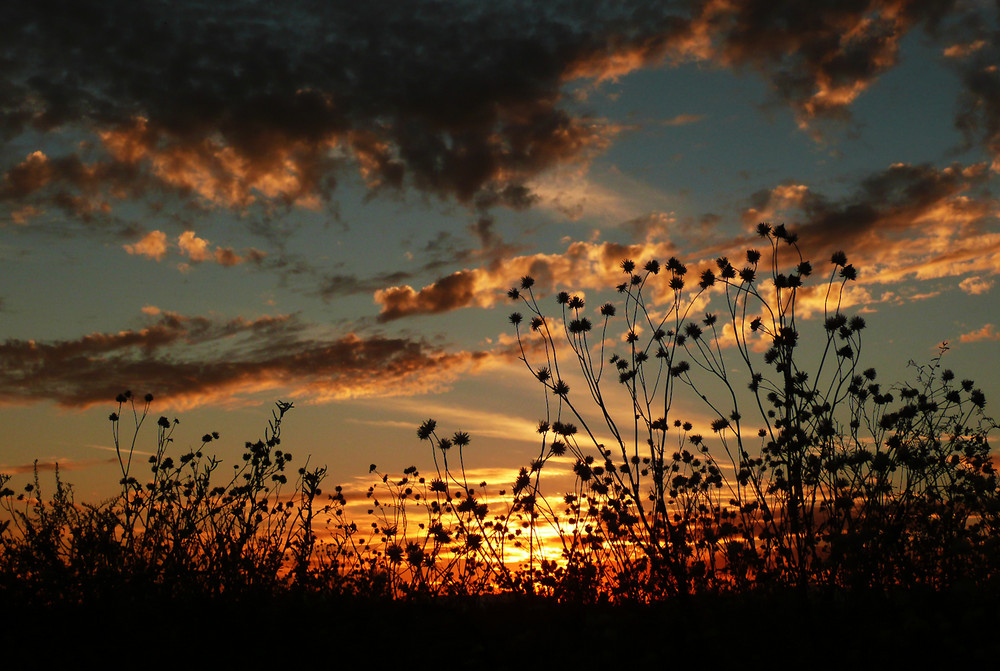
(240, 103)
(188, 361)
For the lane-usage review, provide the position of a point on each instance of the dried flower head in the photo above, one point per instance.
(426, 429)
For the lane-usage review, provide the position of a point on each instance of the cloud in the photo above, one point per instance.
(68, 183)
(265, 103)
(188, 361)
(586, 265)
(193, 247)
(907, 221)
(24, 215)
(261, 103)
(153, 245)
(61, 465)
(974, 54)
(456, 290)
(974, 286)
(963, 50)
(683, 119)
(987, 332)
(901, 223)
(227, 256)
(608, 199)
(819, 56)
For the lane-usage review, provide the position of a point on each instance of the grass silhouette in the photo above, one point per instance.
(818, 491)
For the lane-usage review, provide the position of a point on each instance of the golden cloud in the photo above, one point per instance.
(987, 332)
(153, 245)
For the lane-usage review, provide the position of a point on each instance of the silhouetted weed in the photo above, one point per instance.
(817, 499)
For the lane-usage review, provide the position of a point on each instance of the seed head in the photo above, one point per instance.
(426, 429)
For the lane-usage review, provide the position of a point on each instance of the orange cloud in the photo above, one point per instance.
(964, 49)
(974, 286)
(230, 128)
(905, 222)
(819, 58)
(587, 265)
(32, 174)
(25, 214)
(777, 201)
(217, 172)
(177, 359)
(987, 332)
(226, 256)
(153, 245)
(684, 119)
(193, 247)
(902, 223)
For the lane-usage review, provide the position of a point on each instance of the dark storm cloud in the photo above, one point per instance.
(190, 360)
(975, 54)
(232, 100)
(819, 55)
(243, 102)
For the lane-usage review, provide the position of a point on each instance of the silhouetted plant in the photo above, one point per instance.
(811, 473)
(177, 532)
(838, 486)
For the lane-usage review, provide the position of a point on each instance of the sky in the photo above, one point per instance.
(225, 204)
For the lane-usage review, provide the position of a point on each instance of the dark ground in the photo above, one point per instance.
(782, 631)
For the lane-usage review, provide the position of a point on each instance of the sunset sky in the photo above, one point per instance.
(226, 204)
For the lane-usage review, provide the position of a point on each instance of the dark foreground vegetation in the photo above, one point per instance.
(822, 510)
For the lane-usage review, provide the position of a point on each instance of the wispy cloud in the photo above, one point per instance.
(588, 265)
(52, 465)
(187, 361)
(683, 119)
(901, 223)
(986, 333)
